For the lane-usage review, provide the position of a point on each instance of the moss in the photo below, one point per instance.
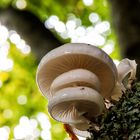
(122, 121)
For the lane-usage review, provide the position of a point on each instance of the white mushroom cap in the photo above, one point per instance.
(77, 56)
(69, 105)
(127, 69)
(126, 75)
(77, 77)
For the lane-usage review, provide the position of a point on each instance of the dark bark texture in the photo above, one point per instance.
(122, 121)
(126, 19)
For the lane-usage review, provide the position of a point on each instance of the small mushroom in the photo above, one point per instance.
(126, 75)
(75, 78)
(127, 72)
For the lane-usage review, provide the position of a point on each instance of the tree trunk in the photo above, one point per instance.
(126, 19)
(122, 121)
(30, 29)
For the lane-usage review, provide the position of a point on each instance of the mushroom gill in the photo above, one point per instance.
(76, 78)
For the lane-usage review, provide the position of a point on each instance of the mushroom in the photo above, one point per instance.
(127, 72)
(69, 105)
(77, 56)
(75, 105)
(76, 78)
(126, 75)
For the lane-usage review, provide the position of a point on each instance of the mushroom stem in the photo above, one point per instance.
(75, 78)
(68, 129)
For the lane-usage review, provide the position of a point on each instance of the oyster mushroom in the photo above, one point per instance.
(127, 72)
(75, 105)
(69, 105)
(75, 78)
(126, 75)
(77, 56)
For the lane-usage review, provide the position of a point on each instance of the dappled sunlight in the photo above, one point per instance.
(109, 47)
(22, 99)
(73, 29)
(88, 2)
(24, 114)
(94, 17)
(5, 35)
(7, 113)
(33, 127)
(4, 133)
(6, 64)
(29, 128)
(21, 4)
(20, 43)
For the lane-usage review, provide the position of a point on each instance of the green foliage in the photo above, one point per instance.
(5, 3)
(43, 9)
(121, 122)
(21, 81)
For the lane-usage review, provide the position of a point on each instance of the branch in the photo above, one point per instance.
(122, 120)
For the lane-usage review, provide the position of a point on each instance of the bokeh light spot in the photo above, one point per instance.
(14, 38)
(1, 83)
(45, 135)
(93, 17)
(21, 4)
(3, 34)
(22, 99)
(51, 22)
(6, 64)
(102, 27)
(70, 24)
(26, 49)
(4, 133)
(7, 113)
(60, 27)
(26, 129)
(109, 47)
(44, 121)
(88, 2)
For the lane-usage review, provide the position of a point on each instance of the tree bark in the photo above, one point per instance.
(121, 122)
(126, 19)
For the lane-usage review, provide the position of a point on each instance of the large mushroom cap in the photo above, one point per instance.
(69, 105)
(77, 56)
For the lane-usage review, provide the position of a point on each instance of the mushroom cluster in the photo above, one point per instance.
(76, 78)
